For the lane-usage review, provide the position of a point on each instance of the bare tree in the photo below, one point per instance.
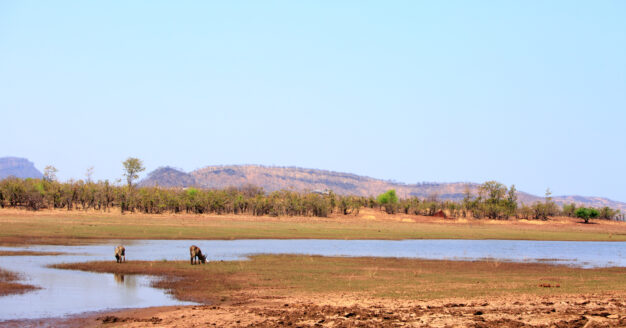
(89, 173)
(50, 173)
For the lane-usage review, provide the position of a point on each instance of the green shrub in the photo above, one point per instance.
(389, 200)
(586, 213)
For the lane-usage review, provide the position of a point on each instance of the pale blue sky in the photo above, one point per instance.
(531, 93)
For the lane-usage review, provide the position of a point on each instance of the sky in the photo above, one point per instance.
(531, 93)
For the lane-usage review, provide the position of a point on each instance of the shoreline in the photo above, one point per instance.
(281, 290)
(219, 282)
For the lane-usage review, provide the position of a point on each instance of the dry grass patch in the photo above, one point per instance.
(76, 227)
(291, 275)
(9, 286)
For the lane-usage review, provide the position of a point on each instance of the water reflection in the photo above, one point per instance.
(65, 292)
(119, 278)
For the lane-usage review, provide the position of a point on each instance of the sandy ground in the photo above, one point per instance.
(365, 214)
(601, 310)
(62, 227)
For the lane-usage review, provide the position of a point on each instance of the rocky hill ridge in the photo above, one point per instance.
(300, 179)
(18, 167)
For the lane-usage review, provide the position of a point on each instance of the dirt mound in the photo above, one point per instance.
(440, 214)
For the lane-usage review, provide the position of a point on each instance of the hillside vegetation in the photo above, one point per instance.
(300, 179)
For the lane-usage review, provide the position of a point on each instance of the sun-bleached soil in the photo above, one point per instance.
(602, 310)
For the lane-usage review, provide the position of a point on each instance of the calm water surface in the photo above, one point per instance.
(66, 292)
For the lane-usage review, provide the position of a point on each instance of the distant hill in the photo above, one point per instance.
(169, 177)
(300, 179)
(18, 167)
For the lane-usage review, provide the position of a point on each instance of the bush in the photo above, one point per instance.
(494, 201)
(389, 200)
(586, 213)
(569, 210)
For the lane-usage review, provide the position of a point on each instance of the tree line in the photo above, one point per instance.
(493, 200)
(35, 194)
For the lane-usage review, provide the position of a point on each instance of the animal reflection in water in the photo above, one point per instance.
(196, 254)
(119, 278)
(120, 254)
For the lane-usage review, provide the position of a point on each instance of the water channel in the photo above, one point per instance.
(66, 292)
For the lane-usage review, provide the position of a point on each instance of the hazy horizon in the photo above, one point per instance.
(525, 93)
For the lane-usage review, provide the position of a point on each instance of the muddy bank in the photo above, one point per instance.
(393, 278)
(597, 310)
(9, 286)
(314, 291)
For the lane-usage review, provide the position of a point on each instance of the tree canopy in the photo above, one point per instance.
(132, 167)
(389, 200)
(586, 213)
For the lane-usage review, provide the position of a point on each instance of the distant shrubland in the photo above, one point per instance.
(492, 201)
(35, 194)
